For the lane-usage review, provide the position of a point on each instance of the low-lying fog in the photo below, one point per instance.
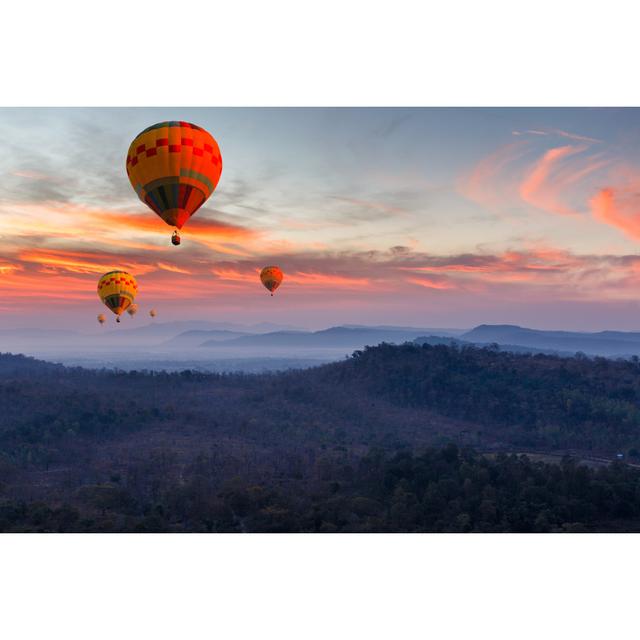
(204, 346)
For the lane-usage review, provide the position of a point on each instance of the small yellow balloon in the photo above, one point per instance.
(117, 290)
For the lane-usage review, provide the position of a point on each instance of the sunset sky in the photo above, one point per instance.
(422, 217)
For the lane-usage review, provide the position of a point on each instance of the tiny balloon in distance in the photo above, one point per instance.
(271, 278)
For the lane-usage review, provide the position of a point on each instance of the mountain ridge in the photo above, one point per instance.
(606, 343)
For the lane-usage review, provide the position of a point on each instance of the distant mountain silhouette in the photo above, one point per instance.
(436, 331)
(604, 343)
(334, 337)
(170, 330)
(161, 329)
(195, 337)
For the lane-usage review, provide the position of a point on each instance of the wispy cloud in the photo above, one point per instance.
(619, 207)
(556, 179)
(490, 182)
(556, 132)
(431, 283)
(534, 273)
(82, 262)
(376, 206)
(173, 268)
(540, 188)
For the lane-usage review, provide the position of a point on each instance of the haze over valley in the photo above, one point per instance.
(225, 346)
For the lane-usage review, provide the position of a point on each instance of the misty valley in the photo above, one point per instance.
(223, 346)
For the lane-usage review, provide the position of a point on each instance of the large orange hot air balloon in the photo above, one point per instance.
(271, 277)
(174, 167)
(117, 289)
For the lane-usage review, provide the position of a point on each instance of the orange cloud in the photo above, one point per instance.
(486, 183)
(428, 283)
(295, 277)
(620, 208)
(549, 184)
(536, 188)
(67, 223)
(214, 234)
(540, 272)
(32, 288)
(326, 280)
(173, 268)
(7, 268)
(537, 265)
(235, 276)
(82, 262)
(149, 222)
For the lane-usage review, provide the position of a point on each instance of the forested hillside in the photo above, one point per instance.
(383, 441)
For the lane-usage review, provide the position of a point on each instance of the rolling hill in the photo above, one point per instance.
(332, 338)
(323, 449)
(605, 343)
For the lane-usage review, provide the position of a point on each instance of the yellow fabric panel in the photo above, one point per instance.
(118, 283)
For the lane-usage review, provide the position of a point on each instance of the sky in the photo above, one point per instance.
(417, 217)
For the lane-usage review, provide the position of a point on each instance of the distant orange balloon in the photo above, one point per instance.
(271, 278)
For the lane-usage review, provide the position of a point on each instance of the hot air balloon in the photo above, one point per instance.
(132, 310)
(271, 277)
(174, 167)
(153, 313)
(117, 289)
(101, 318)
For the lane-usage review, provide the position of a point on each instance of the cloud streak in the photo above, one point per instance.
(68, 278)
(540, 189)
(561, 180)
(619, 207)
(556, 132)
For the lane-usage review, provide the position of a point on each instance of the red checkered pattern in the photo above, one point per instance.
(105, 283)
(132, 160)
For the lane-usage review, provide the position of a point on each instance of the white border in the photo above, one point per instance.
(335, 52)
(318, 586)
